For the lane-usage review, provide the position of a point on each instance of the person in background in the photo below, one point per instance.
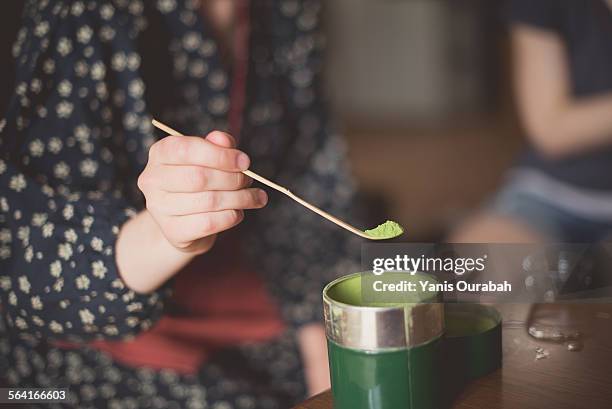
(148, 303)
(561, 188)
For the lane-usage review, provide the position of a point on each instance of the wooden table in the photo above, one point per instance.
(564, 380)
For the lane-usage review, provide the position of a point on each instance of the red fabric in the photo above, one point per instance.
(217, 307)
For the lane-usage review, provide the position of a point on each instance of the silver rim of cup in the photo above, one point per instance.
(380, 328)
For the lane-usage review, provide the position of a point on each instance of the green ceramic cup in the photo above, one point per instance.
(472, 345)
(383, 356)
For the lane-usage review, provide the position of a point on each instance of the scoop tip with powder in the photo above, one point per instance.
(387, 230)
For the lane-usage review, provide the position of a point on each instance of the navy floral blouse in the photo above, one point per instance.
(89, 77)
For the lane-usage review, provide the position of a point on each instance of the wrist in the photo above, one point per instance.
(145, 259)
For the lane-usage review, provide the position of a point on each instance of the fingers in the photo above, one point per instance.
(183, 204)
(190, 179)
(184, 230)
(194, 188)
(191, 150)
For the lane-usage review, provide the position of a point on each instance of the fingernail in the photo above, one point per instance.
(243, 161)
(263, 197)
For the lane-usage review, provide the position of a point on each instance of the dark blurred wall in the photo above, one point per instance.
(423, 88)
(393, 61)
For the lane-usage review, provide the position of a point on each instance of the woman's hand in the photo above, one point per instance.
(194, 189)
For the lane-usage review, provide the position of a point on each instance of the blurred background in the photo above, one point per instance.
(423, 89)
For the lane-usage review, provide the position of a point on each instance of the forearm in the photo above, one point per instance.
(144, 257)
(62, 281)
(575, 126)
(558, 122)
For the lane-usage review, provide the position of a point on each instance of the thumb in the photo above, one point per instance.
(222, 139)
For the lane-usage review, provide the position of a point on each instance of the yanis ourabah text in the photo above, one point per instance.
(425, 285)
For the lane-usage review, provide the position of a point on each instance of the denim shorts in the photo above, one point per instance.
(554, 209)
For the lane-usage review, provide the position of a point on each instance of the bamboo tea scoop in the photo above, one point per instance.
(387, 230)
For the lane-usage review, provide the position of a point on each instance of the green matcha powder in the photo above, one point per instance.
(387, 230)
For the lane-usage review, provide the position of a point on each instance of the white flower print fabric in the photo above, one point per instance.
(90, 75)
(63, 196)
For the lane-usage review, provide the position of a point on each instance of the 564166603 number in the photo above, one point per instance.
(33, 395)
